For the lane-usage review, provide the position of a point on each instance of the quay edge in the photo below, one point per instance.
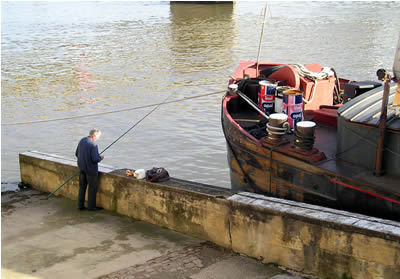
(311, 239)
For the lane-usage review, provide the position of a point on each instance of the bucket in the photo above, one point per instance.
(293, 106)
(140, 174)
(266, 97)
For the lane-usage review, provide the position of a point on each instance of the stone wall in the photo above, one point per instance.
(311, 239)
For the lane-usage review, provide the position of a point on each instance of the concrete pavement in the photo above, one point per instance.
(52, 239)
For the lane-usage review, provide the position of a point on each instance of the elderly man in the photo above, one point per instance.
(88, 158)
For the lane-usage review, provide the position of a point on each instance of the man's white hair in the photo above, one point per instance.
(95, 132)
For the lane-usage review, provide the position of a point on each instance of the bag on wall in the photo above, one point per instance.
(157, 175)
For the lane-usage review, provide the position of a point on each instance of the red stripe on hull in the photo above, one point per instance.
(363, 191)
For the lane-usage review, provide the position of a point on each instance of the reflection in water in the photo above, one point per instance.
(86, 86)
(185, 13)
(202, 36)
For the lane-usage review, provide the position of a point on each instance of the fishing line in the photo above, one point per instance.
(77, 172)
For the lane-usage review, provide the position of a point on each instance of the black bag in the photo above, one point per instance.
(157, 175)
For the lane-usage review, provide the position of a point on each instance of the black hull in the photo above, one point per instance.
(329, 183)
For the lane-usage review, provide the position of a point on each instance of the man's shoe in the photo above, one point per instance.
(82, 208)
(95, 209)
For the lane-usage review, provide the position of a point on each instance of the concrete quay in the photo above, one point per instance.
(309, 239)
(51, 239)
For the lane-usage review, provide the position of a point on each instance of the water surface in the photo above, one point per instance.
(62, 59)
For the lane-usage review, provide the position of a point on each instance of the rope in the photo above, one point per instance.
(324, 73)
(303, 141)
(278, 130)
(110, 112)
(312, 94)
(314, 76)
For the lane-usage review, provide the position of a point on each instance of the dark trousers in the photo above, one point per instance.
(84, 180)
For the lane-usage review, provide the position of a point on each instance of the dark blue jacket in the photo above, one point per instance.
(88, 156)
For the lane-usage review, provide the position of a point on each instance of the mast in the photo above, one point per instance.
(261, 37)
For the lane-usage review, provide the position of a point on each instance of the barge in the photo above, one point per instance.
(344, 150)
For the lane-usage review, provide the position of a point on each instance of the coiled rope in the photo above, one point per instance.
(280, 131)
(303, 141)
(324, 73)
(315, 76)
(110, 112)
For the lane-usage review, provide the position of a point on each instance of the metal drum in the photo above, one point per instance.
(293, 106)
(266, 97)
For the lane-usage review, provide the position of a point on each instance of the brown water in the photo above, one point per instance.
(65, 59)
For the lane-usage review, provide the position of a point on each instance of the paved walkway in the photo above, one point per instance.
(51, 239)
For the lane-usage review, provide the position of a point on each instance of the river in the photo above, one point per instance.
(62, 59)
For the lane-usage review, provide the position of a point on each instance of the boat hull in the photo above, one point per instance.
(271, 171)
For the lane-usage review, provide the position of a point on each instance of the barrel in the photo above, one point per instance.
(293, 106)
(266, 97)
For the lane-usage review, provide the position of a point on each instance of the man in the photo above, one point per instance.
(88, 158)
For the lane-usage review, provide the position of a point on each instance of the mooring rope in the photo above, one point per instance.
(110, 112)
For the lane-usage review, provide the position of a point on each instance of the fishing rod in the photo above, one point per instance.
(77, 172)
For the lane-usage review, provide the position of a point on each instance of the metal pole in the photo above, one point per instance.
(382, 126)
(261, 37)
(251, 103)
(233, 89)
